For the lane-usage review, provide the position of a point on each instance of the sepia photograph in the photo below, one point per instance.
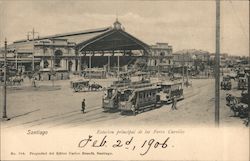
(124, 68)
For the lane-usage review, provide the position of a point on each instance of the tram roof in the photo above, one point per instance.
(170, 83)
(112, 40)
(147, 88)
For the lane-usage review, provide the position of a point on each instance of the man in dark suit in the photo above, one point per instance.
(83, 106)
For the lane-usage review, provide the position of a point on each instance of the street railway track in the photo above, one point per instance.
(46, 119)
(94, 115)
(101, 116)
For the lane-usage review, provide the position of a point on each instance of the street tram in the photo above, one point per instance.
(226, 83)
(111, 98)
(112, 95)
(138, 98)
(168, 90)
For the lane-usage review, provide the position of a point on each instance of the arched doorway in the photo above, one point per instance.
(45, 63)
(70, 65)
(58, 58)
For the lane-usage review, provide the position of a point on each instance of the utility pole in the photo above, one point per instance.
(187, 66)
(217, 66)
(5, 85)
(15, 52)
(248, 77)
(108, 64)
(33, 41)
(118, 65)
(182, 67)
(52, 62)
(90, 65)
(80, 62)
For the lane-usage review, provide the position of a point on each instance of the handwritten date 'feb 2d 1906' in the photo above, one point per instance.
(145, 145)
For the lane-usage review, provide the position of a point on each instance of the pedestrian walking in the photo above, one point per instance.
(33, 81)
(174, 102)
(83, 106)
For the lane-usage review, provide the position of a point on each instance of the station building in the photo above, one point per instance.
(109, 48)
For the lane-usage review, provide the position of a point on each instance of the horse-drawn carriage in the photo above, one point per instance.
(239, 105)
(242, 83)
(226, 83)
(12, 81)
(85, 85)
(17, 80)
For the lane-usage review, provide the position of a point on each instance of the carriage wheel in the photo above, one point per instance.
(133, 110)
(154, 107)
(75, 89)
(89, 88)
(80, 88)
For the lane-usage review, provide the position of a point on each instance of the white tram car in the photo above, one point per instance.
(168, 90)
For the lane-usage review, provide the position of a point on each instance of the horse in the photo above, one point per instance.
(234, 105)
(17, 81)
(229, 97)
(95, 86)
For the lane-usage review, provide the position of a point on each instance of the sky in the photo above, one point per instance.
(182, 24)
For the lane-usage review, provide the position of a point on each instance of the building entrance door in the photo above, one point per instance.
(70, 65)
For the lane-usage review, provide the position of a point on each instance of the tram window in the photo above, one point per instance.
(142, 97)
(124, 96)
(110, 93)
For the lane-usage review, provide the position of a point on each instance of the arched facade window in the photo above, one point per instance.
(45, 64)
(58, 58)
(162, 55)
(70, 65)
